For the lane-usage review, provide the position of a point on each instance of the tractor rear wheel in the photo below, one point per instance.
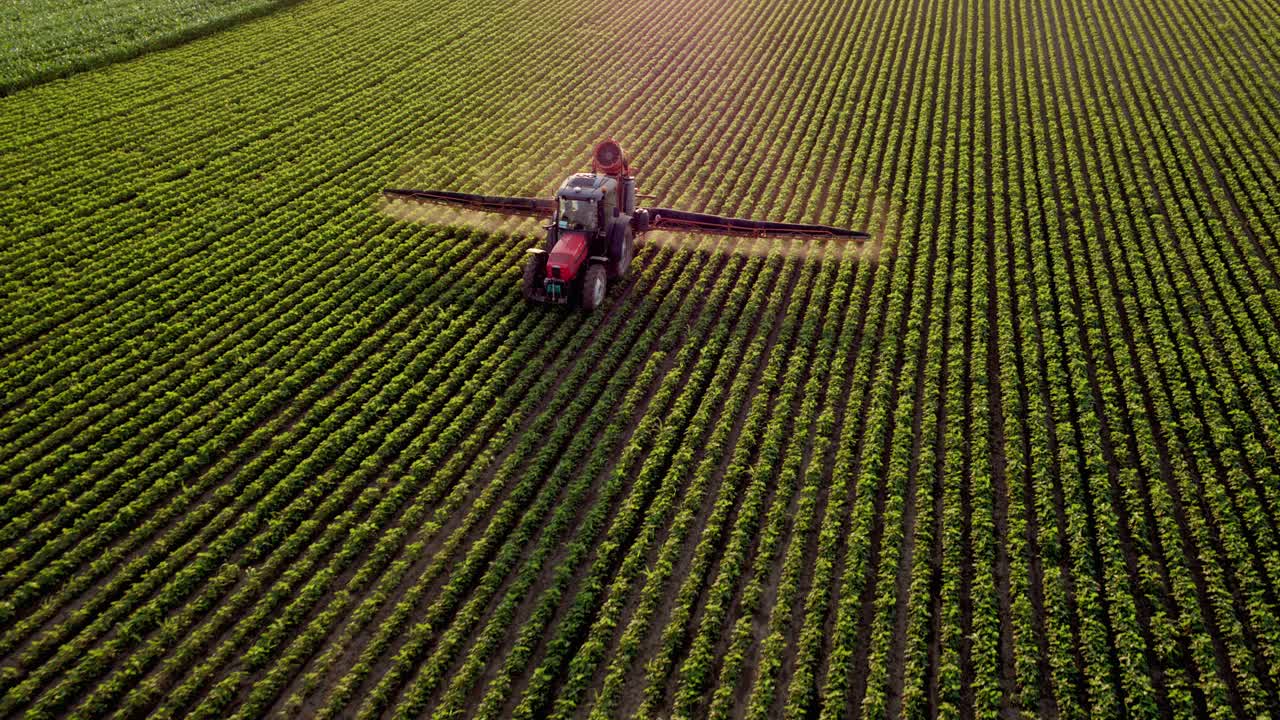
(621, 249)
(628, 252)
(593, 286)
(533, 268)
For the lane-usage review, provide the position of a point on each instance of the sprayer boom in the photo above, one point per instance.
(643, 220)
(520, 206)
(684, 221)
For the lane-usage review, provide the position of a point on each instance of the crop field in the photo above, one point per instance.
(270, 446)
(44, 39)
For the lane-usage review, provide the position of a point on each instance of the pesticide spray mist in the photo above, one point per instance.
(460, 217)
(865, 251)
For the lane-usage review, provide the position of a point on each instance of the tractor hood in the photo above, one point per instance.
(567, 257)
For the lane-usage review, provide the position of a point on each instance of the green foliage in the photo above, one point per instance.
(47, 39)
(269, 447)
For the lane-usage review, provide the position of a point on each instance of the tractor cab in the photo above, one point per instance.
(580, 254)
(578, 214)
(586, 202)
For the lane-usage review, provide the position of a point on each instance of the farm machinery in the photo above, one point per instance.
(595, 224)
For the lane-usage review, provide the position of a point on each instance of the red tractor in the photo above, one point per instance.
(595, 224)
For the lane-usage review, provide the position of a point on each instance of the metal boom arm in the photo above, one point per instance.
(684, 221)
(645, 219)
(522, 206)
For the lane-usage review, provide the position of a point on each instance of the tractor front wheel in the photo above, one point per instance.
(593, 286)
